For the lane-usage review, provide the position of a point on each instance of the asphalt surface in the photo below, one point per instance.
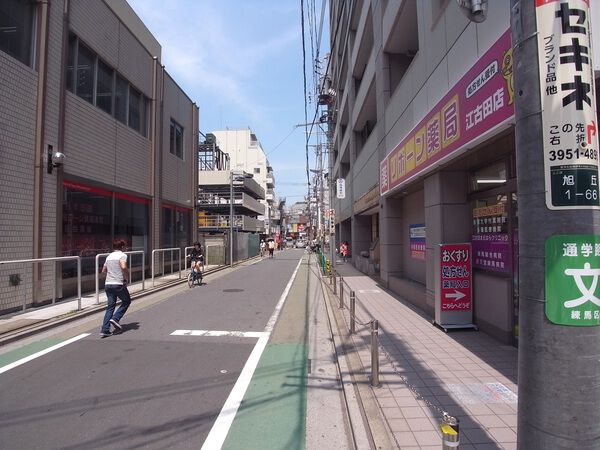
(147, 388)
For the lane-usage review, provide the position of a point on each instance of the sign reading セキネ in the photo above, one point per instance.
(572, 272)
(455, 277)
(570, 131)
(481, 101)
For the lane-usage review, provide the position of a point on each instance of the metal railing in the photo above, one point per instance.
(162, 251)
(449, 424)
(54, 259)
(97, 270)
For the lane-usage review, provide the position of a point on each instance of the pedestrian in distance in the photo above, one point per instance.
(344, 250)
(271, 248)
(115, 287)
(263, 248)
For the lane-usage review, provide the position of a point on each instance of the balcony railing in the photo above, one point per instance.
(239, 199)
(221, 221)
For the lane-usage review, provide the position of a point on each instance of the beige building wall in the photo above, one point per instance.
(99, 149)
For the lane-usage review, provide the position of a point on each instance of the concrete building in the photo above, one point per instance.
(427, 152)
(246, 153)
(84, 79)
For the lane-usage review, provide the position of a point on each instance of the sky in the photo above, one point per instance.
(241, 62)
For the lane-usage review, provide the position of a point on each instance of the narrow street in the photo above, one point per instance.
(180, 366)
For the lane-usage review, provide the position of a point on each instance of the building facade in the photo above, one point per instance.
(99, 143)
(246, 153)
(423, 135)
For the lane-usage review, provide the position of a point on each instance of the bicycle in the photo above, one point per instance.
(195, 274)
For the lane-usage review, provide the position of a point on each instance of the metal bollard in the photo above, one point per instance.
(334, 283)
(341, 292)
(352, 312)
(375, 354)
(450, 432)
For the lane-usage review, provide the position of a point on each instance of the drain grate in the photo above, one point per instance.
(233, 290)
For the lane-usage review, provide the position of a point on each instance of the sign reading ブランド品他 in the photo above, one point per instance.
(568, 104)
(572, 272)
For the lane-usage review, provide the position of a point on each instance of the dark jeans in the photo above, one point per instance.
(112, 293)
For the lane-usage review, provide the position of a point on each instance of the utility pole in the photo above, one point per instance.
(559, 225)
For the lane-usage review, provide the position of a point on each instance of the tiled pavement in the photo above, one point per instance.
(465, 373)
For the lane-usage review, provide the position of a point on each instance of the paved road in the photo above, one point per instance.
(148, 388)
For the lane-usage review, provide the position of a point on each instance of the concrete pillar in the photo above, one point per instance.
(446, 218)
(361, 235)
(390, 238)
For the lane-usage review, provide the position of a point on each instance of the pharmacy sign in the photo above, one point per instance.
(572, 273)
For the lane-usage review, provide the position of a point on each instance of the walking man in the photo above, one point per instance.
(115, 287)
(271, 248)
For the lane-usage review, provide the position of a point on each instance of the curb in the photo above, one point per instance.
(363, 407)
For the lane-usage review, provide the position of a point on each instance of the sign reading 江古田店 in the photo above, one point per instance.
(480, 102)
(572, 272)
(568, 104)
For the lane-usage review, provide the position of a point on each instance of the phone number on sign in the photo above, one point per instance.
(569, 153)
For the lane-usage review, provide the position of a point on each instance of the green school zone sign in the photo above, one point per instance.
(572, 272)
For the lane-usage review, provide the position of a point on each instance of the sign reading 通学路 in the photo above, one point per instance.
(568, 104)
(572, 271)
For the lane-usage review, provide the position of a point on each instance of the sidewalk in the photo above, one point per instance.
(467, 374)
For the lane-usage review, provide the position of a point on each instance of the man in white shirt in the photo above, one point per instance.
(115, 286)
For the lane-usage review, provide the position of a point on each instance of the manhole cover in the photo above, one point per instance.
(233, 290)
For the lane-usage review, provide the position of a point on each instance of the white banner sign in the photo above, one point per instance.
(340, 185)
(568, 104)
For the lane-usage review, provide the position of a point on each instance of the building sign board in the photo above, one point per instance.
(568, 104)
(340, 188)
(571, 280)
(481, 101)
(417, 241)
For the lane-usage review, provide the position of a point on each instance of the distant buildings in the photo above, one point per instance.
(246, 153)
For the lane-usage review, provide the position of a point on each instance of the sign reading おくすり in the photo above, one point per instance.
(455, 277)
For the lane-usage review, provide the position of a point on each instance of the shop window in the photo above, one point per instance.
(183, 229)
(490, 237)
(17, 29)
(86, 227)
(121, 88)
(167, 237)
(104, 87)
(489, 177)
(131, 222)
(84, 86)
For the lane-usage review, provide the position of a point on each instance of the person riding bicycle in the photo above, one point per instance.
(197, 258)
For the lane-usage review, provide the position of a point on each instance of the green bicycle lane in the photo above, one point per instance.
(272, 413)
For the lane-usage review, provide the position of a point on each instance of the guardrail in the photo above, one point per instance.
(162, 251)
(97, 271)
(57, 258)
(449, 424)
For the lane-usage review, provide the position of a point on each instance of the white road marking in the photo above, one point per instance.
(369, 291)
(213, 333)
(41, 353)
(220, 429)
